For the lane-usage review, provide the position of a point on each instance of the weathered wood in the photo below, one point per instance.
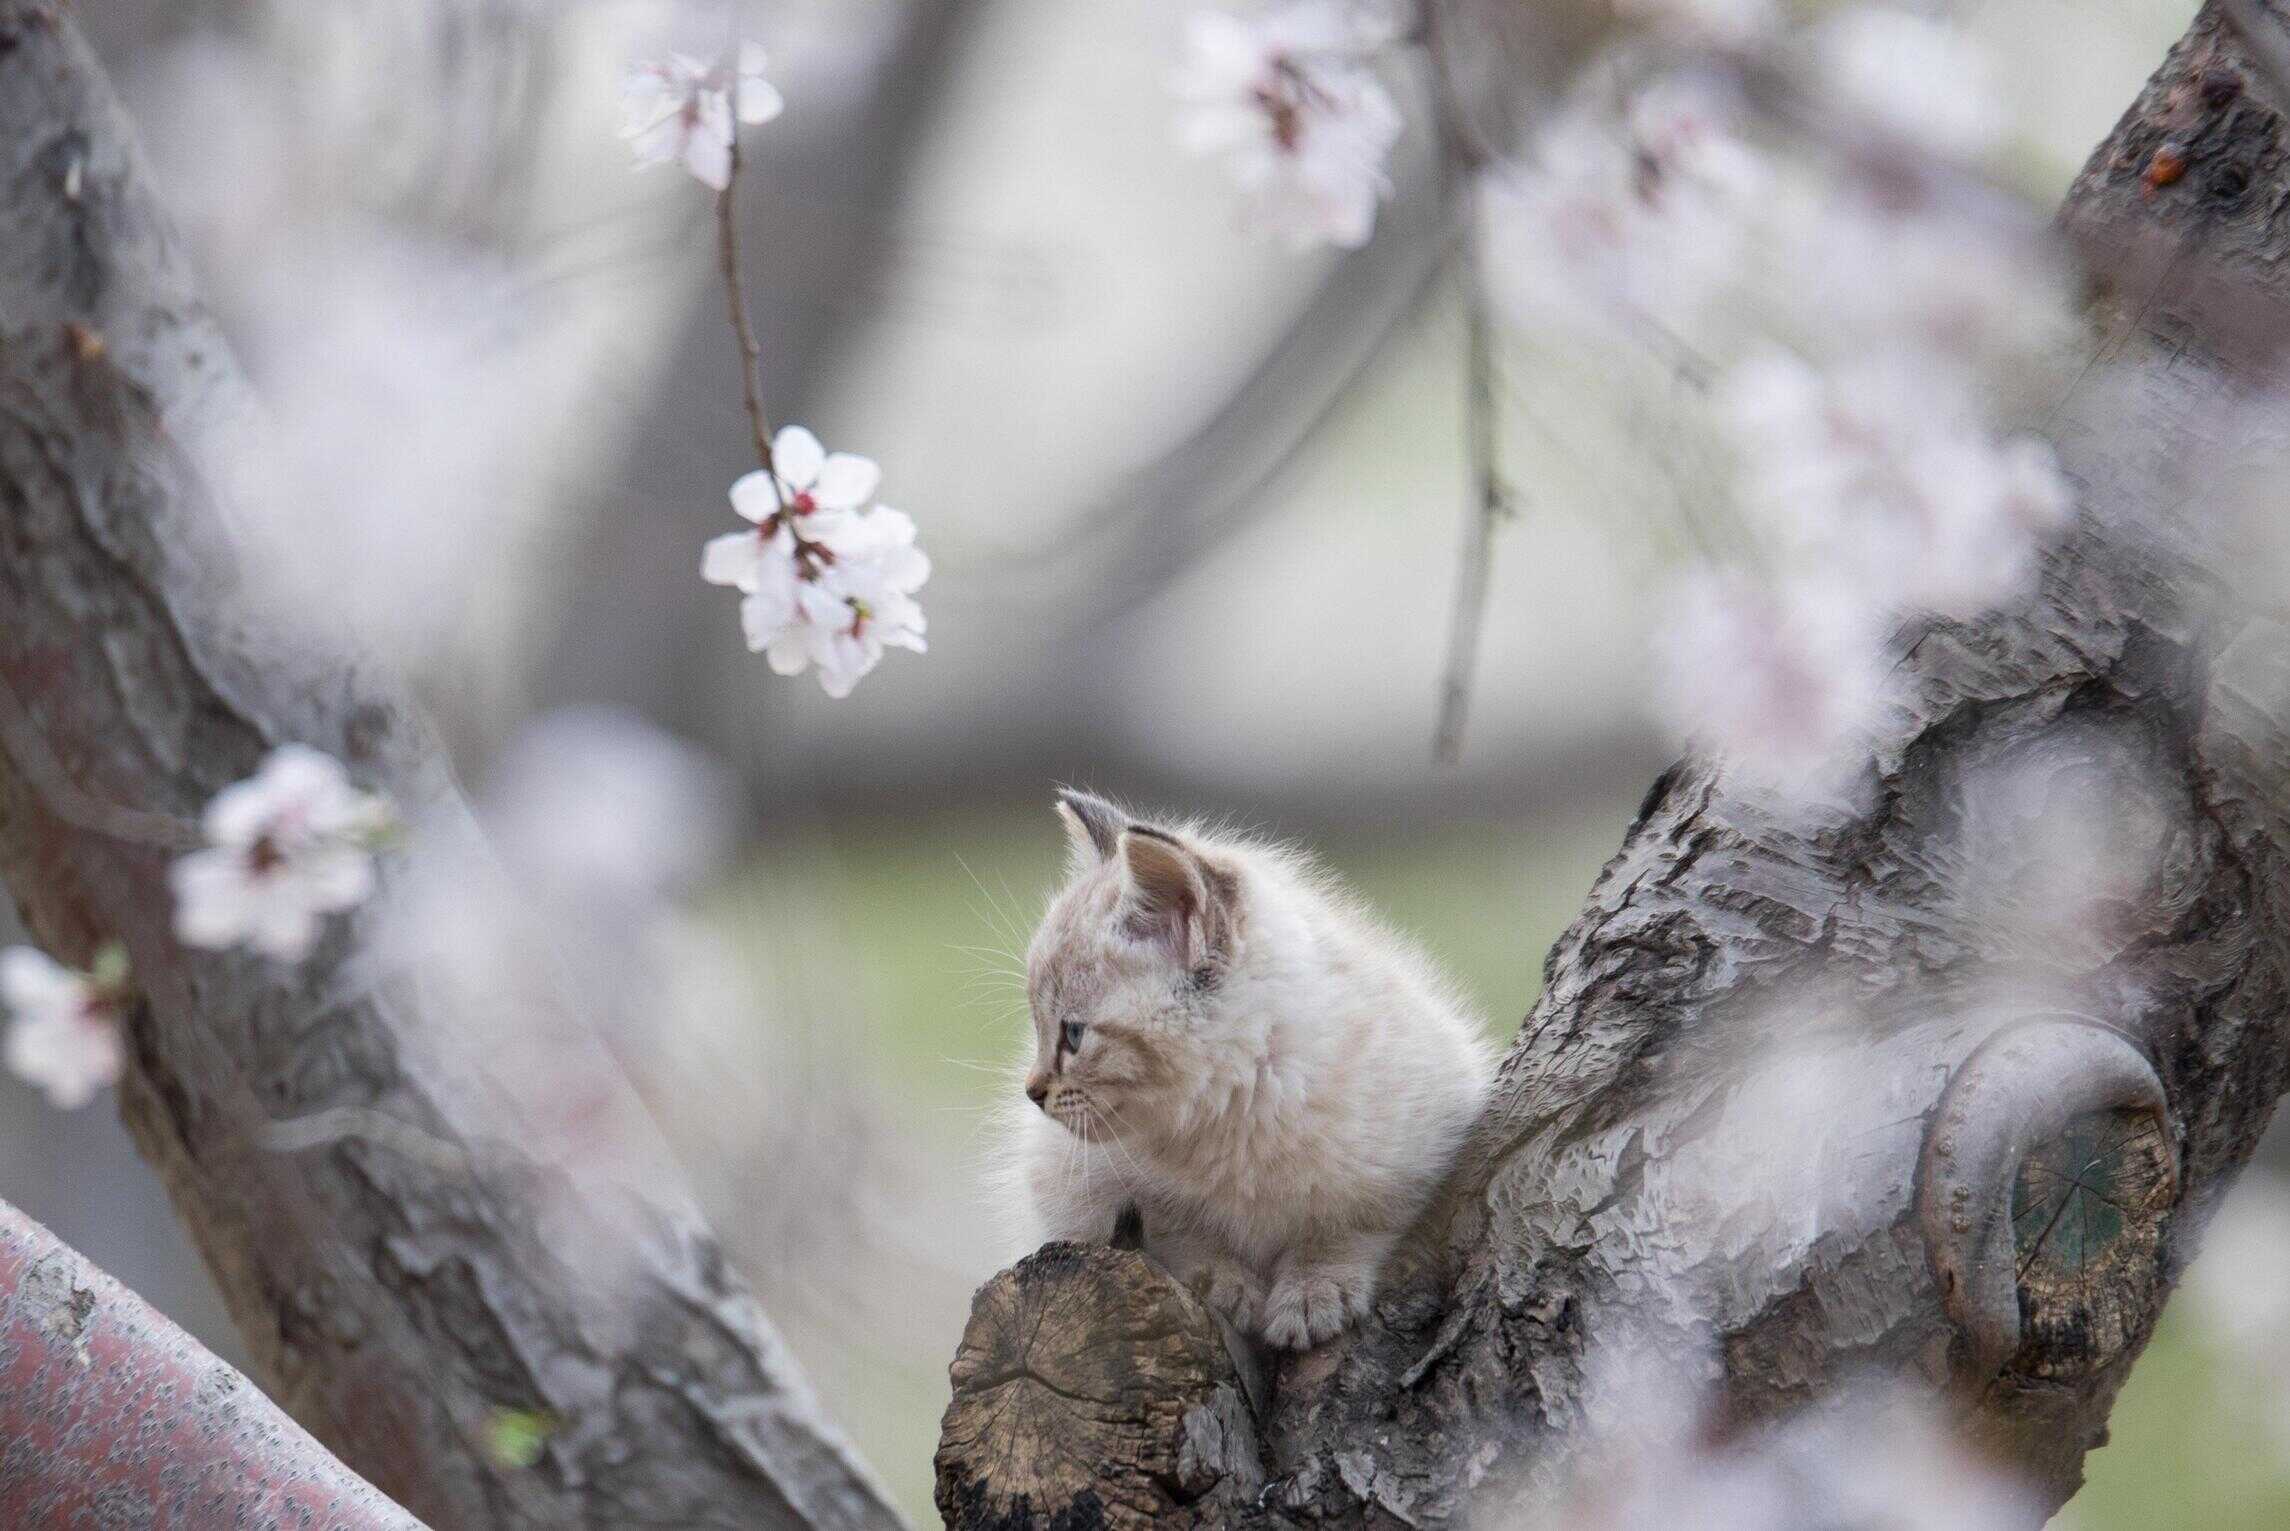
(1779, 1021)
(371, 1206)
(1094, 1387)
(111, 1415)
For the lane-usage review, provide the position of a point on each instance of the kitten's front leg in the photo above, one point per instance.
(1322, 1289)
(1233, 1290)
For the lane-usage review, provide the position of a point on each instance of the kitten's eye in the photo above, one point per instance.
(1070, 1036)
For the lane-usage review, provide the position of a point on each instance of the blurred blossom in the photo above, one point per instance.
(288, 846)
(1885, 470)
(1896, 269)
(826, 581)
(1916, 80)
(1875, 1458)
(594, 806)
(2239, 1292)
(685, 111)
(391, 271)
(1614, 223)
(63, 1026)
(1289, 101)
(1780, 678)
(1720, 23)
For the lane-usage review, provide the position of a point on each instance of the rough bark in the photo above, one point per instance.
(1650, 1173)
(112, 1415)
(370, 1207)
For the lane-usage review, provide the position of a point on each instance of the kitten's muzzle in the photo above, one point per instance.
(1038, 1090)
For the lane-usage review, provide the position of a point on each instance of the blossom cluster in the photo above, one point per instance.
(1854, 307)
(685, 111)
(827, 577)
(1290, 102)
(286, 847)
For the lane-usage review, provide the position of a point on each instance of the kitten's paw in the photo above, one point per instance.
(1232, 1290)
(1313, 1307)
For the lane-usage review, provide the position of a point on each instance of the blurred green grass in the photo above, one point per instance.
(934, 912)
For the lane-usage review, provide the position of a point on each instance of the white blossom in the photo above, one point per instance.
(1913, 79)
(287, 846)
(1289, 102)
(594, 808)
(843, 617)
(685, 111)
(2239, 1293)
(826, 580)
(1717, 23)
(819, 492)
(1886, 470)
(63, 1026)
(1780, 677)
(1617, 223)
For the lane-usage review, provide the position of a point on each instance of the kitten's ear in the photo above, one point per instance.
(1092, 825)
(1177, 898)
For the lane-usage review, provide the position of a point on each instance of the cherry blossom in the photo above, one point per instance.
(1885, 470)
(1718, 23)
(1613, 224)
(1289, 102)
(1779, 677)
(826, 581)
(1913, 79)
(288, 845)
(809, 493)
(686, 111)
(63, 1026)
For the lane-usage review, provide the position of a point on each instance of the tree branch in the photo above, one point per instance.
(397, 1303)
(111, 1414)
(1648, 1177)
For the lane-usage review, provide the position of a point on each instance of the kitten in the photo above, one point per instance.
(1223, 1040)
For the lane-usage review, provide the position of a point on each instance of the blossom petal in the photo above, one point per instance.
(708, 155)
(846, 482)
(758, 100)
(210, 898)
(789, 652)
(31, 980)
(731, 559)
(754, 497)
(797, 456)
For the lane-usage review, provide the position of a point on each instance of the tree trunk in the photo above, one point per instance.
(1802, 1073)
(368, 1209)
(113, 1415)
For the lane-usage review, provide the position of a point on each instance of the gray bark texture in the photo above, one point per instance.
(370, 1209)
(2028, 1090)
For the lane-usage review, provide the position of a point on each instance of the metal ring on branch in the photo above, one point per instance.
(2046, 1170)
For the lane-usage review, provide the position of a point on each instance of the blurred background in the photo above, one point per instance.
(1194, 503)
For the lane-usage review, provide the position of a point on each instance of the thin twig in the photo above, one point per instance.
(38, 765)
(735, 299)
(1460, 158)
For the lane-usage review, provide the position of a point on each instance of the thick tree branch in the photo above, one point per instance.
(1974, 1027)
(395, 1302)
(111, 1414)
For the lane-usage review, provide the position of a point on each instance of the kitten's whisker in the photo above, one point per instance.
(972, 1063)
(1112, 1120)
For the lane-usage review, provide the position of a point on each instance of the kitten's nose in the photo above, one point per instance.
(1038, 1089)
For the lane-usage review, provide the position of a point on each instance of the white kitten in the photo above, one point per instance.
(1221, 1039)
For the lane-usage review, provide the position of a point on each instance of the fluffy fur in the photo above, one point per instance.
(1243, 1053)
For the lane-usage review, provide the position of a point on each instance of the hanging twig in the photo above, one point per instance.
(1460, 159)
(743, 328)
